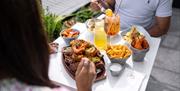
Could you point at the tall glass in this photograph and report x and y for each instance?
(100, 36)
(112, 26)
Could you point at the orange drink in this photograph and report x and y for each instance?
(112, 24)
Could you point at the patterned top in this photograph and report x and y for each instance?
(15, 85)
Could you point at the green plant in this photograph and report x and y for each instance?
(53, 25)
(84, 14)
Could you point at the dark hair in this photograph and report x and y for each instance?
(24, 51)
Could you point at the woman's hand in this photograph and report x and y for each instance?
(85, 75)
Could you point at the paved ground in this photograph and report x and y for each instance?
(63, 7)
(165, 75)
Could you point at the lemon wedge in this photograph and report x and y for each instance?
(109, 12)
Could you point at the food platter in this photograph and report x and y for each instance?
(71, 57)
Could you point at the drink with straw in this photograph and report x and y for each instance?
(112, 23)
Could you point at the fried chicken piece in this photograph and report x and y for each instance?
(77, 57)
(140, 43)
(145, 44)
(92, 51)
(78, 46)
(137, 43)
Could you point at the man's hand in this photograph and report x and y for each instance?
(85, 75)
(95, 6)
(106, 4)
(160, 27)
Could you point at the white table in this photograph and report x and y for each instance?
(146, 67)
(55, 71)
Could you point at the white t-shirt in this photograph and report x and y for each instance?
(141, 12)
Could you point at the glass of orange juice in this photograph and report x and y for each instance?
(100, 36)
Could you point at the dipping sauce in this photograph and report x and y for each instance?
(115, 69)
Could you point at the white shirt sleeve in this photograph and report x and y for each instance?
(164, 8)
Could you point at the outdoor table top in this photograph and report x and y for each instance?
(142, 67)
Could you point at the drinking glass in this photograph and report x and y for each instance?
(100, 36)
(112, 26)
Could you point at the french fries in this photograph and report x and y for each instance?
(118, 51)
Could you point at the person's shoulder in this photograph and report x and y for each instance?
(164, 2)
(158, 3)
(164, 8)
(15, 85)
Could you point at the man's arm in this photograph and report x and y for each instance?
(163, 17)
(160, 27)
